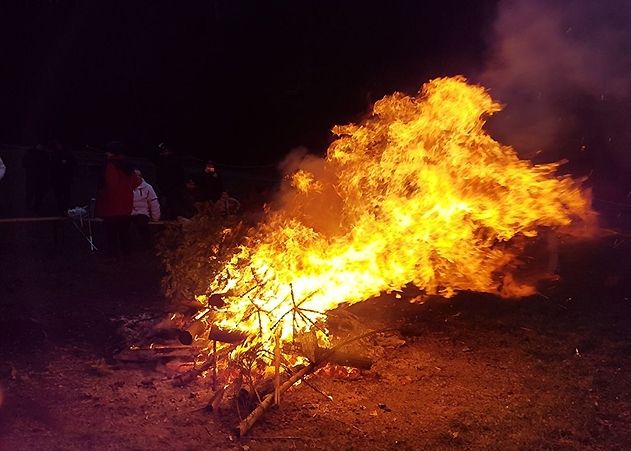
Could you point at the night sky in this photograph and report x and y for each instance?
(239, 81)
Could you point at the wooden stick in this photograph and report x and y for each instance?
(192, 374)
(247, 423)
(277, 367)
(215, 366)
(215, 401)
(325, 356)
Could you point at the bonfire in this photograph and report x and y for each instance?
(418, 194)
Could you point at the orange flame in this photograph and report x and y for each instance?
(418, 193)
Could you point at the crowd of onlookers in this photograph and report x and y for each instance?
(124, 199)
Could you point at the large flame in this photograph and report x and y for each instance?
(417, 194)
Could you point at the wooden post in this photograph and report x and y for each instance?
(277, 365)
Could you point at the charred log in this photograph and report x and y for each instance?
(251, 395)
(153, 355)
(194, 373)
(342, 357)
(215, 400)
(226, 336)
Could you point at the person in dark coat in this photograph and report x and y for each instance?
(62, 167)
(114, 200)
(210, 183)
(169, 181)
(189, 196)
(36, 170)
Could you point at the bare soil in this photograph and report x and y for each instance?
(474, 372)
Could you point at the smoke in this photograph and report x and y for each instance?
(319, 207)
(563, 70)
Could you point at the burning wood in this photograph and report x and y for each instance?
(246, 424)
(253, 394)
(343, 358)
(213, 404)
(335, 355)
(419, 194)
(191, 375)
(226, 336)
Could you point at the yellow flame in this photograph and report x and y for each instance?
(305, 181)
(418, 193)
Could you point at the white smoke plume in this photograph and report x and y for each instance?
(555, 62)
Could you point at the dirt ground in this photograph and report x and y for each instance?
(474, 372)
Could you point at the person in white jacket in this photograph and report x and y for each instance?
(3, 169)
(145, 207)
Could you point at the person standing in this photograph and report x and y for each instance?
(210, 183)
(3, 169)
(145, 207)
(36, 169)
(226, 205)
(190, 196)
(114, 200)
(170, 180)
(62, 167)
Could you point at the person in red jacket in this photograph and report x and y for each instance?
(114, 200)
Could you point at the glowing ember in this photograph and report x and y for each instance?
(418, 193)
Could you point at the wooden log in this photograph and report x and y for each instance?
(249, 395)
(147, 355)
(342, 357)
(226, 336)
(216, 300)
(333, 355)
(249, 421)
(166, 348)
(192, 374)
(169, 333)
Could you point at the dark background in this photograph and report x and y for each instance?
(245, 82)
(239, 81)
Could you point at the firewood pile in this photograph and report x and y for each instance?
(276, 341)
(237, 382)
